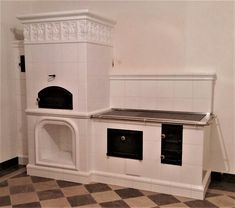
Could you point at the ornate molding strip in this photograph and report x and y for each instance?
(75, 26)
(68, 31)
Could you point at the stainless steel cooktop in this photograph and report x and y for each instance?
(156, 116)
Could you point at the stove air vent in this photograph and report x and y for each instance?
(55, 97)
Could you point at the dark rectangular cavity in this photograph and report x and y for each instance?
(125, 143)
(171, 145)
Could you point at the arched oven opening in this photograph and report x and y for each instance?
(55, 97)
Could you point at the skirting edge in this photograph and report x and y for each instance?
(181, 189)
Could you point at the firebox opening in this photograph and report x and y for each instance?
(55, 97)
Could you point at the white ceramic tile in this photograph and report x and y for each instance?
(152, 133)
(116, 165)
(149, 88)
(182, 104)
(191, 174)
(117, 102)
(192, 154)
(164, 104)
(148, 103)
(170, 172)
(69, 53)
(117, 88)
(81, 52)
(151, 150)
(202, 89)
(132, 102)
(193, 136)
(183, 89)
(134, 167)
(132, 88)
(151, 168)
(165, 89)
(202, 105)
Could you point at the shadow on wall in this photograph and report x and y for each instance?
(218, 157)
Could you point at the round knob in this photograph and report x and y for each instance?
(163, 157)
(123, 138)
(163, 136)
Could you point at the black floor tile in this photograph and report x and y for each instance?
(97, 187)
(114, 204)
(63, 184)
(128, 193)
(163, 199)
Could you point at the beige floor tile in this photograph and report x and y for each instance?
(146, 193)
(4, 191)
(105, 196)
(183, 199)
(19, 181)
(174, 205)
(90, 206)
(24, 198)
(74, 190)
(47, 185)
(140, 202)
(222, 201)
(61, 202)
(115, 187)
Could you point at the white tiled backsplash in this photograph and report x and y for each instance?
(192, 93)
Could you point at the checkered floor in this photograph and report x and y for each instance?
(22, 190)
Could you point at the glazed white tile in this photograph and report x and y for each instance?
(69, 52)
(202, 105)
(132, 88)
(170, 172)
(117, 88)
(134, 167)
(117, 102)
(147, 103)
(192, 154)
(165, 89)
(151, 150)
(149, 88)
(81, 52)
(132, 102)
(152, 133)
(182, 104)
(202, 89)
(191, 174)
(193, 136)
(164, 104)
(116, 165)
(183, 89)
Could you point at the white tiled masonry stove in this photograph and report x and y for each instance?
(68, 61)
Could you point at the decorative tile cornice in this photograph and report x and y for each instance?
(79, 27)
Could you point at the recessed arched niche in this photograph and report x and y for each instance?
(56, 140)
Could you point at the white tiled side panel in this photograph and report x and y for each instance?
(173, 95)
